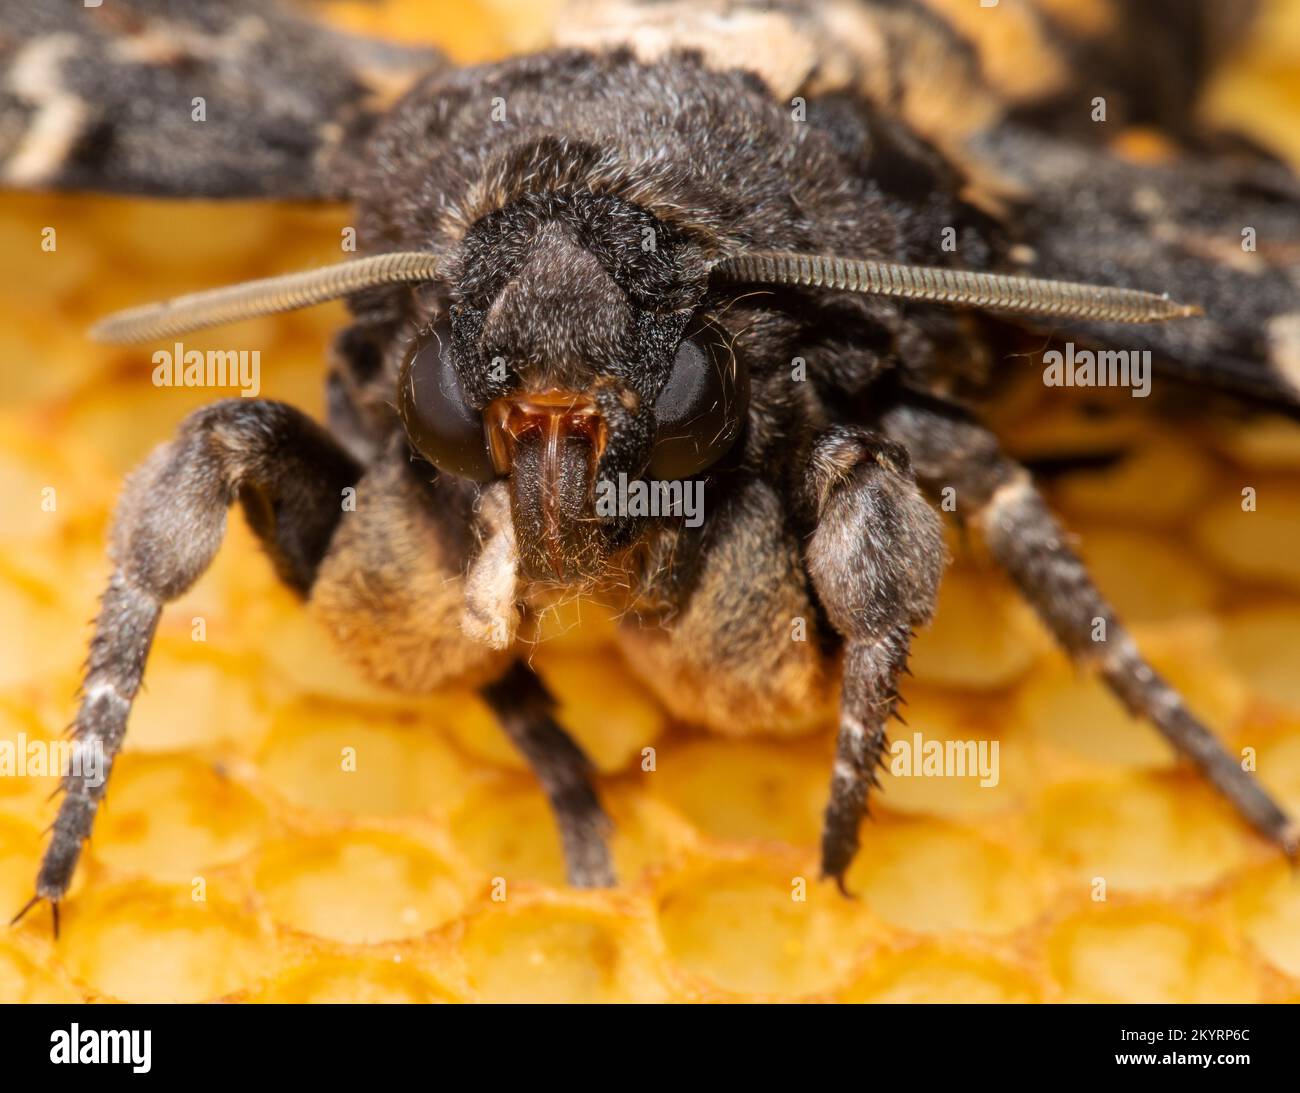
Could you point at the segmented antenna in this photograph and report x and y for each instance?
(266, 297)
(995, 291)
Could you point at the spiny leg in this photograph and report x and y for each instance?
(124, 630)
(875, 561)
(288, 473)
(869, 699)
(997, 496)
(524, 708)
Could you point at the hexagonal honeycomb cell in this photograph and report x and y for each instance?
(279, 830)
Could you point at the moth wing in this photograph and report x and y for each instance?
(1108, 175)
(188, 98)
(1221, 232)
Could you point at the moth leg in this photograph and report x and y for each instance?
(997, 496)
(524, 707)
(875, 560)
(288, 473)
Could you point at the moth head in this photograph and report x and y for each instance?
(571, 358)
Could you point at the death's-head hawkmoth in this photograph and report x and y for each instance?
(690, 311)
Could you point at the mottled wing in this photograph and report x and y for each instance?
(1220, 232)
(186, 98)
(1148, 196)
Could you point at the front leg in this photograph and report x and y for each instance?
(288, 473)
(875, 562)
(524, 708)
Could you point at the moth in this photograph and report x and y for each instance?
(779, 252)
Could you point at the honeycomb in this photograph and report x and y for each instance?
(239, 858)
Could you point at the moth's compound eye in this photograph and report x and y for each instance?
(700, 410)
(440, 422)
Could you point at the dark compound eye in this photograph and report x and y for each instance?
(440, 422)
(700, 410)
